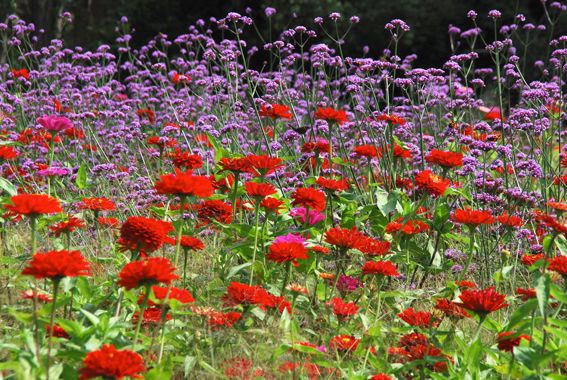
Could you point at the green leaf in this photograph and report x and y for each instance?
(462, 192)
(348, 220)
(519, 314)
(189, 364)
(236, 269)
(561, 243)
(387, 202)
(84, 287)
(8, 187)
(556, 332)
(282, 349)
(558, 293)
(81, 180)
(339, 161)
(22, 317)
(91, 317)
(441, 215)
(163, 371)
(306, 349)
(543, 290)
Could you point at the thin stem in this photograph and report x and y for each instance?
(180, 231)
(477, 332)
(142, 309)
(286, 278)
(471, 251)
(257, 218)
(51, 326)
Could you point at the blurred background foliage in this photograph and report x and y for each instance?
(95, 22)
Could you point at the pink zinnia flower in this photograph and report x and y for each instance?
(314, 215)
(54, 124)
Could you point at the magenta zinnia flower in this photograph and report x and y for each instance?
(54, 124)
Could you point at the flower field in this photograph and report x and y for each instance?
(175, 212)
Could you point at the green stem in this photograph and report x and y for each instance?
(477, 332)
(180, 231)
(164, 315)
(142, 309)
(55, 282)
(471, 251)
(257, 218)
(234, 193)
(32, 226)
(337, 273)
(185, 254)
(286, 278)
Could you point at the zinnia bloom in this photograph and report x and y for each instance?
(450, 309)
(280, 252)
(343, 309)
(559, 265)
(510, 222)
(242, 294)
(186, 160)
(380, 376)
(344, 343)
(259, 191)
(446, 160)
(235, 165)
(97, 204)
(507, 343)
(111, 222)
(345, 239)
(331, 185)
(33, 205)
(190, 243)
(21, 73)
(373, 247)
(7, 153)
(384, 268)
(482, 301)
(184, 184)
(472, 218)
(550, 221)
(57, 264)
(331, 115)
(313, 218)
(276, 110)
(220, 320)
(54, 124)
(394, 119)
(264, 165)
(208, 210)
(111, 363)
(526, 294)
(152, 316)
(367, 151)
(153, 271)
(58, 332)
(308, 197)
(431, 183)
(31, 294)
(181, 295)
(143, 233)
(68, 225)
(420, 319)
(272, 204)
(530, 260)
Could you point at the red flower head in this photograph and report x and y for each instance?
(491, 113)
(530, 260)
(149, 114)
(411, 227)
(186, 160)
(559, 265)
(264, 165)
(526, 294)
(383, 268)
(58, 332)
(153, 271)
(376, 248)
(506, 341)
(308, 197)
(380, 376)
(57, 264)
(346, 239)
(420, 351)
(319, 250)
(276, 110)
(111, 222)
(557, 206)
(181, 295)
(472, 218)
(21, 73)
(162, 142)
(466, 285)
(343, 309)
(550, 221)
(279, 303)
(219, 320)
(431, 183)
(331, 185)
(97, 204)
(207, 211)
(67, 226)
(344, 343)
(259, 191)
(190, 243)
(143, 233)
(450, 309)
(394, 119)
(272, 204)
(367, 151)
(331, 115)
(280, 252)
(180, 78)
(184, 184)
(510, 222)
(420, 319)
(413, 339)
(111, 363)
(482, 301)
(33, 293)
(152, 316)
(242, 294)
(446, 160)
(33, 205)
(7, 153)
(235, 165)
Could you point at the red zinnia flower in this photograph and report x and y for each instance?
(186, 160)
(220, 320)
(264, 165)
(180, 78)
(149, 114)
(466, 285)
(526, 294)
(7, 153)
(188, 242)
(184, 184)
(33, 205)
(111, 363)
(380, 376)
(20, 73)
(235, 165)
(143, 233)
(272, 204)
(482, 301)
(152, 271)
(420, 351)
(445, 159)
(450, 309)
(208, 210)
(421, 318)
(559, 265)
(58, 332)
(550, 221)
(57, 264)
(68, 225)
(530, 260)
(558, 206)
(308, 197)
(111, 222)
(367, 151)
(511, 222)
(280, 303)
(344, 342)
(162, 142)
(277, 110)
(411, 228)
(345, 238)
(320, 250)
(343, 309)
(374, 247)
(280, 252)
(331, 115)
(259, 191)
(472, 218)
(97, 204)
(507, 344)
(32, 294)
(152, 316)
(181, 295)
(394, 119)
(242, 294)
(431, 183)
(384, 268)
(331, 184)
(491, 113)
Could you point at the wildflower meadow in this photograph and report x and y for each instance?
(173, 212)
